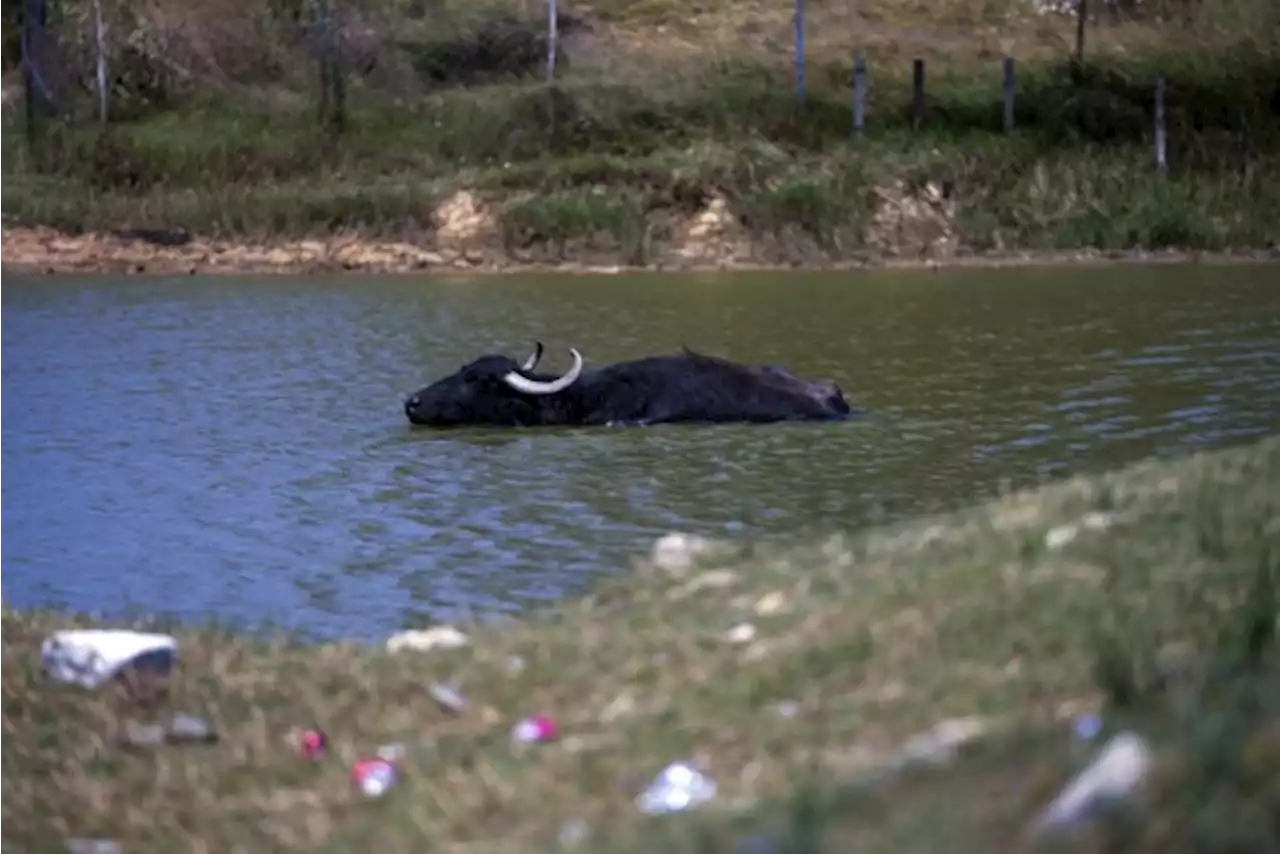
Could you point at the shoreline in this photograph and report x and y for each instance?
(798, 679)
(48, 252)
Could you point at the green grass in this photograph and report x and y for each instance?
(1162, 617)
(1003, 194)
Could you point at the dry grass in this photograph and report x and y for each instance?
(261, 51)
(957, 33)
(872, 638)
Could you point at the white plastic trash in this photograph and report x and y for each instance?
(90, 657)
(1121, 767)
(677, 788)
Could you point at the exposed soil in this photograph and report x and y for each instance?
(465, 235)
(44, 251)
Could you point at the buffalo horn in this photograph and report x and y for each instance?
(534, 358)
(528, 386)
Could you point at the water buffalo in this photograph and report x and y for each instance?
(495, 390)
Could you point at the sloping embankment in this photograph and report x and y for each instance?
(1149, 595)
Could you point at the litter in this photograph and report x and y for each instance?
(180, 729)
(536, 728)
(677, 788)
(1122, 765)
(93, 846)
(447, 696)
(374, 776)
(90, 657)
(313, 743)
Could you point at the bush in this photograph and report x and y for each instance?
(492, 45)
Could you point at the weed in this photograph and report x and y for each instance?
(585, 214)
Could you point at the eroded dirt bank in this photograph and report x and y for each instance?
(465, 235)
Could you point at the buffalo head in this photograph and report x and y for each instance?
(492, 390)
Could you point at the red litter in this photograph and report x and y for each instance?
(313, 743)
(536, 728)
(374, 776)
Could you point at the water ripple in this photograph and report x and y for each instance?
(236, 447)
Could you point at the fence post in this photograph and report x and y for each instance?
(1008, 94)
(321, 12)
(100, 39)
(1082, 15)
(35, 96)
(332, 90)
(553, 38)
(1161, 164)
(322, 55)
(338, 118)
(799, 48)
(917, 93)
(859, 93)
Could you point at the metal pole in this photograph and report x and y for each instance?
(799, 22)
(100, 37)
(1161, 136)
(917, 93)
(859, 93)
(1009, 94)
(553, 36)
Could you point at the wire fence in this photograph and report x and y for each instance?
(99, 48)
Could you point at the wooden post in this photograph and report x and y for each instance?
(799, 48)
(859, 93)
(1008, 94)
(333, 100)
(553, 39)
(1161, 137)
(35, 96)
(321, 12)
(338, 113)
(917, 93)
(553, 51)
(1082, 15)
(338, 118)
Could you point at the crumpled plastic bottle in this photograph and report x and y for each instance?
(677, 788)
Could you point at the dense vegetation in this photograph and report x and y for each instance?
(657, 108)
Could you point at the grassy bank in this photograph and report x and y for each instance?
(660, 110)
(1150, 595)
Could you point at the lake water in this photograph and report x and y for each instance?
(236, 448)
